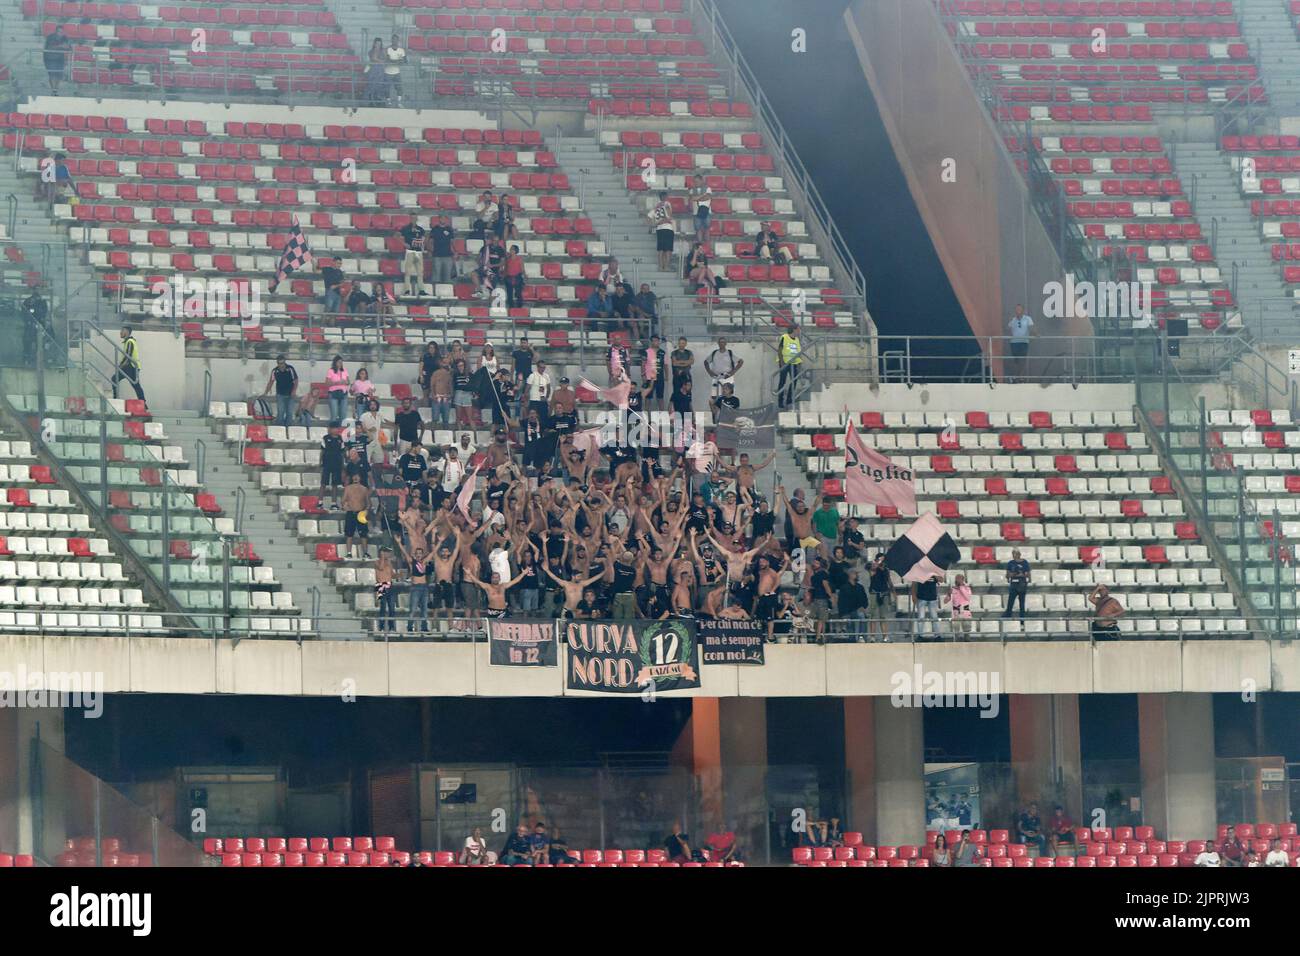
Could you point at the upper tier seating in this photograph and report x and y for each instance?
(1079, 494)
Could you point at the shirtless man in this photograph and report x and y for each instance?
(800, 521)
(412, 520)
(573, 589)
(744, 474)
(496, 594)
(444, 572)
(683, 602)
(737, 561)
(769, 581)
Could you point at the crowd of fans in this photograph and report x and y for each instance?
(643, 516)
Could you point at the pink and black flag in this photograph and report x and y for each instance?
(296, 255)
(467, 493)
(923, 551)
(616, 395)
(872, 479)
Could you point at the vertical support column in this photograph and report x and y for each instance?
(860, 765)
(699, 751)
(1176, 744)
(743, 740)
(25, 817)
(1045, 754)
(724, 743)
(899, 760)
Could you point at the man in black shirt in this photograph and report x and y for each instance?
(882, 596)
(518, 849)
(412, 465)
(727, 399)
(284, 379)
(819, 597)
(683, 401)
(851, 603)
(358, 463)
(925, 600)
(442, 236)
(413, 261)
(333, 278)
(538, 446)
(409, 426)
(854, 541)
(764, 520)
(331, 465)
(523, 356)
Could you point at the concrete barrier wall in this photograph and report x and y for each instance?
(353, 668)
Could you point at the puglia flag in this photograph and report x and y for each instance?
(872, 479)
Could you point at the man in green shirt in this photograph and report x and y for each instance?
(826, 522)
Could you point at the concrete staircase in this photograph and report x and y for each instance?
(1266, 25)
(1267, 308)
(21, 46)
(295, 567)
(621, 222)
(34, 232)
(361, 21)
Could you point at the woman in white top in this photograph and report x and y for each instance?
(488, 360)
(476, 852)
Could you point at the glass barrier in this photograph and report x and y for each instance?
(630, 807)
(79, 820)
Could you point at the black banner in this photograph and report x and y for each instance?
(522, 643)
(747, 429)
(731, 641)
(631, 657)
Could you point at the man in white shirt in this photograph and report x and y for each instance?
(703, 458)
(467, 448)
(453, 470)
(1208, 857)
(665, 230)
(371, 423)
(539, 387)
(722, 366)
(611, 277)
(1019, 326)
(394, 56)
(1277, 856)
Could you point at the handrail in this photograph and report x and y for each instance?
(207, 391)
(241, 502)
(200, 458)
(12, 221)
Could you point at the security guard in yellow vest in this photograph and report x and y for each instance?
(129, 363)
(789, 356)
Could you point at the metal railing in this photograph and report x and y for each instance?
(1257, 550)
(796, 176)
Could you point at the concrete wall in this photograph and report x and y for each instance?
(327, 668)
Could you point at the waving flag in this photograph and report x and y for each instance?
(296, 255)
(616, 395)
(587, 440)
(872, 479)
(923, 551)
(467, 493)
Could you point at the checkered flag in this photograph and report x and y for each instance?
(296, 255)
(923, 551)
